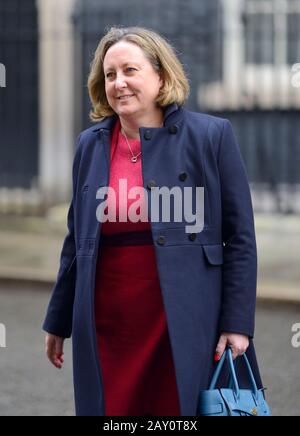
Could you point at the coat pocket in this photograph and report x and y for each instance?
(214, 254)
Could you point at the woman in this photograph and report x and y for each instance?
(150, 307)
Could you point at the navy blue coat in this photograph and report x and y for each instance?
(208, 280)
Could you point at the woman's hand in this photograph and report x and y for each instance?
(54, 349)
(238, 344)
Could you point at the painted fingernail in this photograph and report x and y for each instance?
(217, 357)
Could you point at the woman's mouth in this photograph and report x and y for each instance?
(125, 97)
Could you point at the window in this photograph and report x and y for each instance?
(261, 43)
(293, 42)
(271, 31)
(259, 33)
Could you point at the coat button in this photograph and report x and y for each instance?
(183, 177)
(151, 184)
(161, 240)
(192, 237)
(148, 135)
(173, 129)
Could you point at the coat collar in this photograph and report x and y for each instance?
(172, 114)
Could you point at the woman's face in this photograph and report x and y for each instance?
(129, 73)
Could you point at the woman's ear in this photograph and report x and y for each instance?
(161, 80)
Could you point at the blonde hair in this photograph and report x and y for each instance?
(160, 54)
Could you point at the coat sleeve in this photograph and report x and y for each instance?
(240, 253)
(59, 314)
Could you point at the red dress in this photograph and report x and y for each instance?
(132, 335)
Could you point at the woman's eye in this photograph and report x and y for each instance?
(129, 69)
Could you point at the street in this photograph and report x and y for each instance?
(30, 386)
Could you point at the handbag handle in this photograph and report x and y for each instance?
(228, 355)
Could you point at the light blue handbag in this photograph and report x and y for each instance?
(232, 401)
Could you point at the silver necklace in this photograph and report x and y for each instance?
(133, 157)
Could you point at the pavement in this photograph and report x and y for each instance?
(30, 250)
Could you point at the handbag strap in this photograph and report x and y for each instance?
(217, 372)
(227, 355)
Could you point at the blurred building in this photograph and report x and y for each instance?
(239, 56)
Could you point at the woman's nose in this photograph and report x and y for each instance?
(120, 82)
